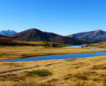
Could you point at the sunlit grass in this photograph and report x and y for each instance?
(101, 45)
(12, 52)
(71, 72)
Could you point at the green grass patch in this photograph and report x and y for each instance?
(42, 73)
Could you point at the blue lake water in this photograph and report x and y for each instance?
(91, 47)
(65, 56)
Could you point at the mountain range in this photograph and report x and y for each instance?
(7, 32)
(92, 36)
(37, 35)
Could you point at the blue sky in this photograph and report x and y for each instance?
(59, 16)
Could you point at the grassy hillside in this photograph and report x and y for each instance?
(101, 45)
(12, 42)
(65, 72)
(38, 35)
(12, 52)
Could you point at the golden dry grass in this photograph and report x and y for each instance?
(65, 72)
(12, 52)
(101, 45)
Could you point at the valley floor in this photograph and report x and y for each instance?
(101, 44)
(13, 52)
(64, 72)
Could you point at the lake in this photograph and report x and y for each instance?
(91, 47)
(65, 56)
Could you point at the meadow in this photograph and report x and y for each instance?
(101, 44)
(13, 52)
(64, 72)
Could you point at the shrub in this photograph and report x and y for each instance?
(104, 82)
(41, 73)
(72, 59)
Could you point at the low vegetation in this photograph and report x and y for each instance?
(13, 42)
(65, 72)
(101, 45)
(13, 52)
(42, 73)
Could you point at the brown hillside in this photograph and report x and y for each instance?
(37, 35)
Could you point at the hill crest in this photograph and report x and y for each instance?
(37, 35)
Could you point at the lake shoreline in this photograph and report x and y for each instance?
(62, 56)
(9, 52)
(91, 70)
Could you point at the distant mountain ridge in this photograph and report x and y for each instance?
(7, 32)
(4, 36)
(92, 36)
(37, 35)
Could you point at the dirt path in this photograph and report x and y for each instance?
(26, 68)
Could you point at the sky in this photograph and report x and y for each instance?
(63, 17)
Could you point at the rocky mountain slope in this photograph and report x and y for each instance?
(7, 32)
(92, 36)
